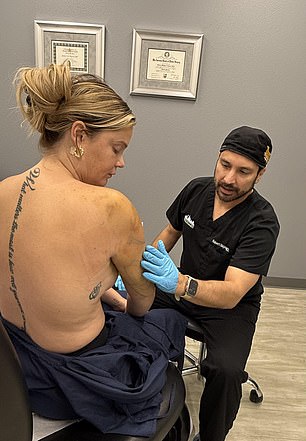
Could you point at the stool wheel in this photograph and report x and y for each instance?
(254, 397)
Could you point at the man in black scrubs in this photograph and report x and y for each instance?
(229, 236)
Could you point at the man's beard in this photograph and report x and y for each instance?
(235, 195)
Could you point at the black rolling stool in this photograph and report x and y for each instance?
(196, 333)
(16, 420)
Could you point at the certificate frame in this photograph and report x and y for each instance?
(165, 64)
(82, 43)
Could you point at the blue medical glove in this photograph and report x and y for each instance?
(160, 269)
(119, 284)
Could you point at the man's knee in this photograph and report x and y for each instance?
(223, 370)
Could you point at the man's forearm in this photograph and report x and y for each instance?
(169, 236)
(210, 293)
(224, 294)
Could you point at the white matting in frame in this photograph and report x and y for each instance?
(165, 64)
(82, 44)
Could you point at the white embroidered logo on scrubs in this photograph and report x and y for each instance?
(188, 221)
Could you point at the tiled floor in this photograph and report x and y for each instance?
(278, 363)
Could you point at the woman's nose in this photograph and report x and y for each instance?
(120, 163)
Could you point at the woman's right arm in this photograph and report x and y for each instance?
(127, 256)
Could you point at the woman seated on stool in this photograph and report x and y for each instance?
(64, 238)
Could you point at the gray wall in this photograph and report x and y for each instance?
(253, 72)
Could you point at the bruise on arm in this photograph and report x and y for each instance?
(129, 248)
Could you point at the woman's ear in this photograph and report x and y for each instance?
(76, 132)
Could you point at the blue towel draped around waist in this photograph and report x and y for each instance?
(117, 387)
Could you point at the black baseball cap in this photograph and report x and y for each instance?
(253, 143)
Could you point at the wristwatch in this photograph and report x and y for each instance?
(191, 287)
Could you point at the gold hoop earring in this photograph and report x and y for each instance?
(76, 151)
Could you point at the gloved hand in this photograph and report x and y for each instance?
(160, 269)
(119, 284)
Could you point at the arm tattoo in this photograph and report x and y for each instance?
(28, 184)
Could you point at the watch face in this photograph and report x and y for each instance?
(192, 288)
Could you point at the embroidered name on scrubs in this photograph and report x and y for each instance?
(224, 247)
(188, 221)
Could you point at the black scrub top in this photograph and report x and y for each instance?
(244, 237)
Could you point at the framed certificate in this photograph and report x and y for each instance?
(80, 43)
(165, 64)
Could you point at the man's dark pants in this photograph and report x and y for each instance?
(228, 336)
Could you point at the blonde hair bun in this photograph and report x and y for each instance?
(54, 99)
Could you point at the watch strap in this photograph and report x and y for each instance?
(178, 297)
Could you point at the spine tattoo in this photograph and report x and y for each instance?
(28, 184)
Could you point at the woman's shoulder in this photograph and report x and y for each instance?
(12, 182)
(103, 194)
(107, 200)
(24, 176)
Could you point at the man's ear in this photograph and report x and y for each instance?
(259, 175)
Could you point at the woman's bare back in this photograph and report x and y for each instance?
(58, 239)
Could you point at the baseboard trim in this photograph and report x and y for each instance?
(284, 282)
